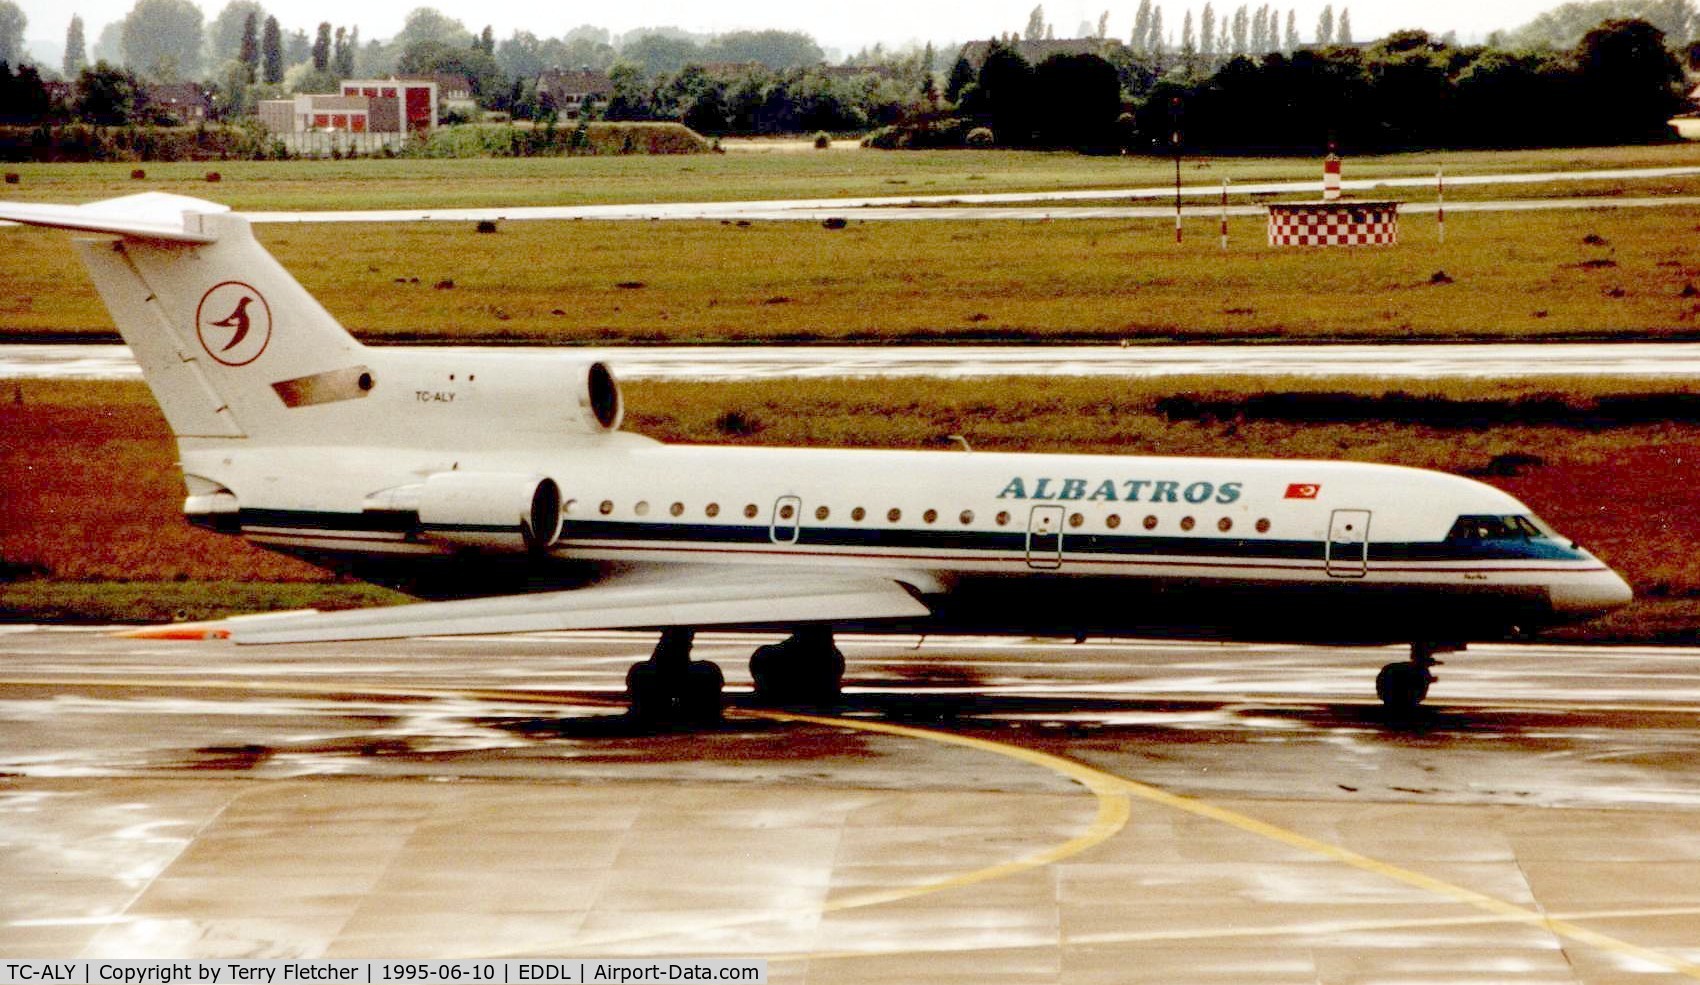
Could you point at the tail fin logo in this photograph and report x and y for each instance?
(234, 323)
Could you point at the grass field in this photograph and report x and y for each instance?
(92, 527)
(416, 184)
(1582, 274)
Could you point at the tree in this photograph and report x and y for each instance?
(1004, 96)
(1082, 97)
(1103, 25)
(76, 54)
(1207, 31)
(1141, 27)
(1325, 25)
(487, 42)
(1241, 23)
(1343, 30)
(12, 24)
(249, 55)
(1291, 40)
(1189, 42)
(23, 98)
(430, 24)
(775, 49)
(1631, 83)
(631, 97)
(1564, 25)
(657, 54)
(109, 45)
(106, 95)
(343, 63)
(1256, 43)
(961, 77)
(1158, 44)
(521, 56)
(1035, 24)
(224, 34)
(434, 57)
(271, 51)
(322, 48)
(162, 39)
(297, 48)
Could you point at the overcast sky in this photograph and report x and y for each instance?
(845, 26)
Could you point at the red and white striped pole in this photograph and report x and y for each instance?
(1331, 177)
(1224, 213)
(1440, 192)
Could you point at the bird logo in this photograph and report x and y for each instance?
(234, 323)
(238, 320)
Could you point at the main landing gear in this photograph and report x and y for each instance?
(670, 687)
(1403, 686)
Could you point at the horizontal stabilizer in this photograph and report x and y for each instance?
(652, 600)
(150, 215)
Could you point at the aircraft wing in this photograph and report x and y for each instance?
(646, 600)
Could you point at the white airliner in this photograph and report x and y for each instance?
(429, 469)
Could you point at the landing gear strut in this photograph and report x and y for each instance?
(1403, 686)
(805, 669)
(670, 687)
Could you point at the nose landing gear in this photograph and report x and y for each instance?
(1403, 686)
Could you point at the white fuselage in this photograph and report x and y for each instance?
(1325, 549)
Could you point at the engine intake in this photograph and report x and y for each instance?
(494, 511)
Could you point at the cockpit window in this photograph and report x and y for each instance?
(1516, 527)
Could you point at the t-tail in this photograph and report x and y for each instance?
(226, 339)
(236, 350)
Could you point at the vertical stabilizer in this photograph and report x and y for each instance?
(228, 341)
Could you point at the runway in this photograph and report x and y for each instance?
(730, 363)
(978, 810)
(972, 206)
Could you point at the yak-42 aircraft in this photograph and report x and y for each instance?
(420, 467)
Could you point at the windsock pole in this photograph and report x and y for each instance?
(1224, 213)
(1440, 192)
(1177, 186)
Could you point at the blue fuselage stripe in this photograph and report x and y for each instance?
(995, 542)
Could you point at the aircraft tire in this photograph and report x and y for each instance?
(786, 674)
(1402, 686)
(700, 700)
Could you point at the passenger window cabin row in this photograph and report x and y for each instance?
(859, 514)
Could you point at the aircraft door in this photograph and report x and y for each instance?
(1348, 544)
(1044, 537)
(787, 513)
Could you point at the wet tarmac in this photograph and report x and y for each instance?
(977, 810)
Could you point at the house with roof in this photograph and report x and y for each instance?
(571, 92)
(184, 102)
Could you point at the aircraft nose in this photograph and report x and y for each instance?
(1597, 593)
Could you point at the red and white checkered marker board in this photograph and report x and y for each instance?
(1334, 224)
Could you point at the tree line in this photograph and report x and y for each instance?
(1240, 78)
(1620, 83)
